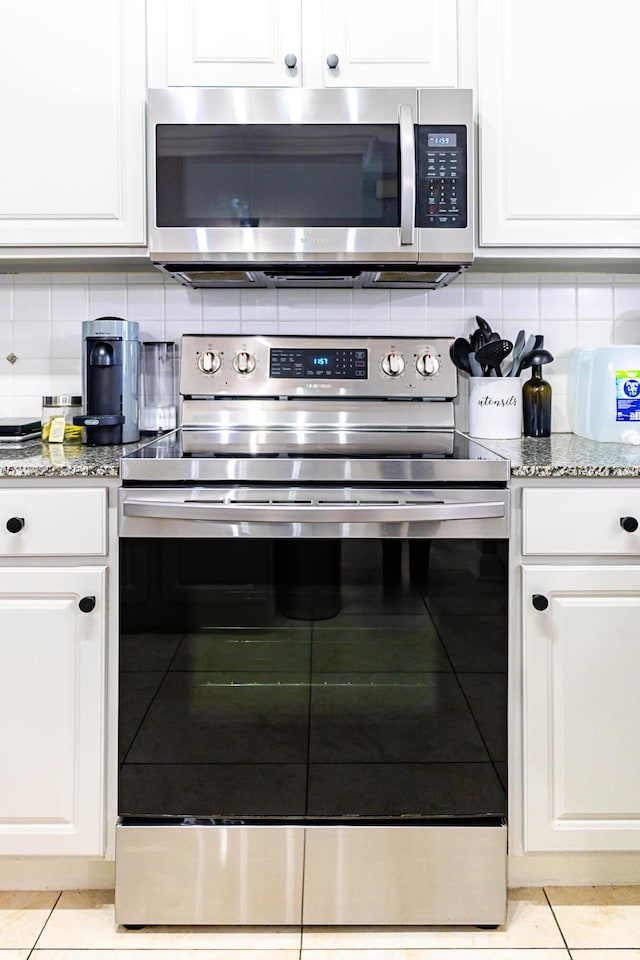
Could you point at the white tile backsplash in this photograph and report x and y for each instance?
(41, 316)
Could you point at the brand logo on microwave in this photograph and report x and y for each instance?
(313, 240)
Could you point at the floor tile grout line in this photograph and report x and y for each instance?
(564, 939)
(55, 904)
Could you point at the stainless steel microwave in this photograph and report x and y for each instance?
(354, 187)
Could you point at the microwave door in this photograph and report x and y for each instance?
(265, 177)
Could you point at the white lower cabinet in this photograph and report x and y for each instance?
(52, 652)
(581, 723)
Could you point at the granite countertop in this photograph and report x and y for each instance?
(566, 455)
(32, 458)
(562, 455)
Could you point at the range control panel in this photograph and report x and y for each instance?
(252, 366)
(442, 176)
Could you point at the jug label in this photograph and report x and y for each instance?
(627, 394)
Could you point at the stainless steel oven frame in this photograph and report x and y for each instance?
(279, 873)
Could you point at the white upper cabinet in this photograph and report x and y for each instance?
(558, 101)
(311, 43)
(73, 74)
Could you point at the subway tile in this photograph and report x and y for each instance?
(66, 376)
(594, 333)
(220, 305)
(6, 338)
(370, 328)
(31, 302)
(145, 302)
(182, 303)
(66, 339)
(174, 329)
(107, 299)
(446, 304)
(69, 302)
(371, 305)
(32, 339)
(151, 330)
(595, 301)
(485, 300)
(559, 337)
(558, 302)
(520, 301)
(296, 328)
(333, 303)
(258, 306)
(407, 305)
(296, 305)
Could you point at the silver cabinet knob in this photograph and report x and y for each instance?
(290, 60)
(333, 60)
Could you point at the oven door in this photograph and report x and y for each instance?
(321, 711)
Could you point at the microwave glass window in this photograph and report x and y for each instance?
(265, 175)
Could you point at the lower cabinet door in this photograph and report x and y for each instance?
(581, 707)
(52, 640)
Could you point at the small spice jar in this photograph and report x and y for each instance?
(62, 410)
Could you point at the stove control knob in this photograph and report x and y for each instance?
(393, 364)
(427, 365)
(209, 361)
(244, 362)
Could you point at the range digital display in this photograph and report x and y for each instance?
(309, 364)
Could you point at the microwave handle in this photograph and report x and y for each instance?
(407, 175)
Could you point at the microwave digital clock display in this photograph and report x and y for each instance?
(308, 364)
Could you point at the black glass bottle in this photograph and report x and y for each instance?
(536, 404)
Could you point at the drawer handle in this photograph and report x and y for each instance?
(539, 601)
(87, 604)
(15, 524)
(630, 524)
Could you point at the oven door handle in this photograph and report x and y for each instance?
(238, 512)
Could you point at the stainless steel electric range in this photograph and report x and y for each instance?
(313, 644)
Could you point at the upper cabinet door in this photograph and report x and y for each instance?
(311, 43)
(246, 43)
(410, 43)
(72, 111)
(558, 98)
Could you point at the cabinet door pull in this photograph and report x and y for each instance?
(290, 61)
(333, 60)
(539, 601)
(630, 524)
(87, 604)
(15, 524)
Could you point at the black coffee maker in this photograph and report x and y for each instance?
(110, 375)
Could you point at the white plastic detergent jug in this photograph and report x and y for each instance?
(604, 393)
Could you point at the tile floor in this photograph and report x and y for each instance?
(555, 923)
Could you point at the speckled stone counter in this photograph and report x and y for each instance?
(563, 455)
(36, 459)
(566, 455)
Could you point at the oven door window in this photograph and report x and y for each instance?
(262, 175)
(312, 679)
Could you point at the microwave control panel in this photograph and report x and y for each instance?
(442, 176)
